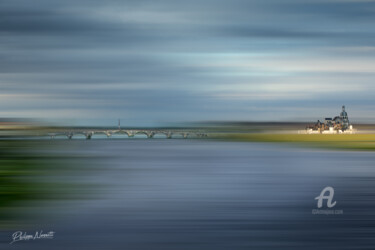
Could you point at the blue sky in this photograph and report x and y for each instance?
(89, 62)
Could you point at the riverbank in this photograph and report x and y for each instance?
(364, 142)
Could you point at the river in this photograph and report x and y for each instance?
(201, 194)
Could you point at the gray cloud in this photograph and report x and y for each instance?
(155, 61)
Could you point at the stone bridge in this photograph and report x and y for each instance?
(130, 133)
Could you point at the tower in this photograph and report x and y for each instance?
(344, 118)
(119, 124)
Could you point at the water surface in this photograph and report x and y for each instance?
(201, 194)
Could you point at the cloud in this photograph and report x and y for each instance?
(172, 60)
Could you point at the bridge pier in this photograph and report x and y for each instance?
(88, 136)
(169, 135)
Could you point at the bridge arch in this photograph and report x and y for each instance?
(122, 132)
(77, 134)
(107, 134)
(166, 134)
(58, 135)
(182, 134)
(149, 134)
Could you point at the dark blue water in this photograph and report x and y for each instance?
(194, 194)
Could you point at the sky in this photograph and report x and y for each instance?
(150, 63)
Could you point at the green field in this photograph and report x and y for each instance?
(333, 141)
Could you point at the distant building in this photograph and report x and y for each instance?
(338, 124)
(341, 120)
